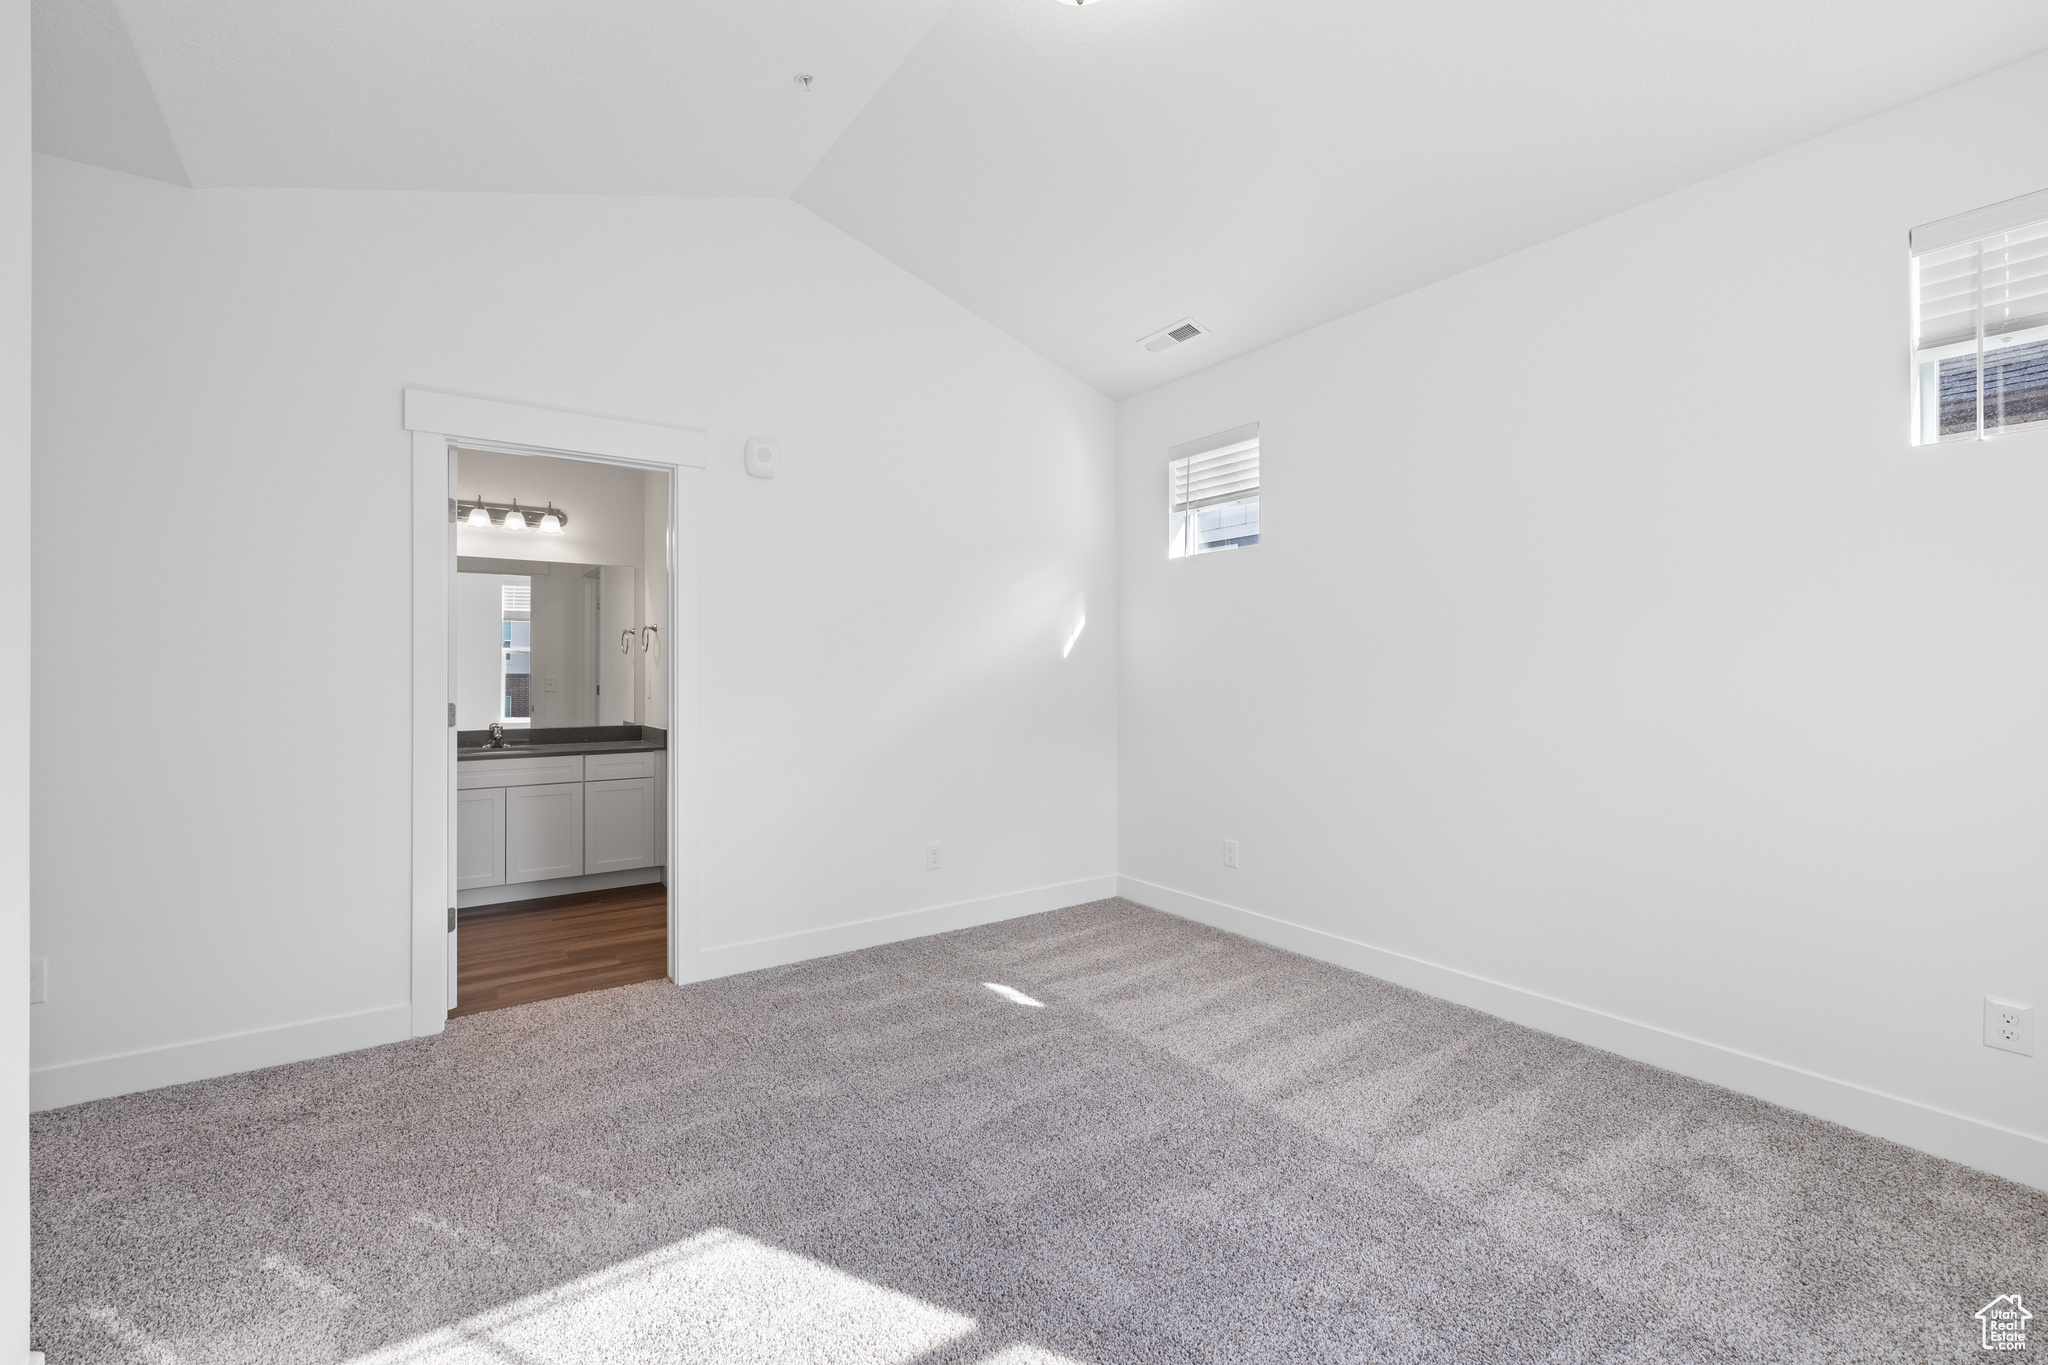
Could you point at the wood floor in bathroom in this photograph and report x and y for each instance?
(541, 949)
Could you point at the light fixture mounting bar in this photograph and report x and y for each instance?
(460, 508)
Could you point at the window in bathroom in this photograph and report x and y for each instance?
(516, 706)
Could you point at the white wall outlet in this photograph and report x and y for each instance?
(1230, 853)
(762, 455)
(38, 980)
(550, 682)
(932, 860)
(2009, 1026)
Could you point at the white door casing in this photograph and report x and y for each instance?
(444, 572)
(439, 423)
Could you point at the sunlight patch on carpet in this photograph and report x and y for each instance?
(720, 1297)
(1013, 995)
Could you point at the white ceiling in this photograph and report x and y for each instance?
(691, 97)
(1080, 176)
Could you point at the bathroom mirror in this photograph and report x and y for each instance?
(544, 645)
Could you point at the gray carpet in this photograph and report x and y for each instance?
(1192, 1148)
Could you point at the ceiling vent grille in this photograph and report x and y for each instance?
(1166, 338)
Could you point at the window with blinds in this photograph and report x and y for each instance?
(1980, 321)
(1212, 493)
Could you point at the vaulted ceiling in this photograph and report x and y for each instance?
(1079, 176)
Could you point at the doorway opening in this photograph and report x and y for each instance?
(560, 598)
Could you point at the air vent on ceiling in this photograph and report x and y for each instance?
(1165, 339)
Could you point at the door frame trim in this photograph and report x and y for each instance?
(439, 422)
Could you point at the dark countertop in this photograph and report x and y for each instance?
(583, 739)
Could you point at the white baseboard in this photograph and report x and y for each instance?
(52, 1087)
(782, 949)
(1939, 1132)
(559, 886)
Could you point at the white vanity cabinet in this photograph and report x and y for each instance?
(623, 804)
(618, 824)
(543, 832)
(533, 819)
(538, 817)
(479, 838)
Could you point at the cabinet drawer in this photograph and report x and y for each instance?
(518, 772)
(609, 767)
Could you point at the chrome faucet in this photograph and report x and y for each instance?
(497, 737)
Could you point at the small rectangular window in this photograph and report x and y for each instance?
(1980, 322)
(516, 620)
(1212, 493)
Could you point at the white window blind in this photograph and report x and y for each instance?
(1980, 315)
(1999, 281)
(1212, 493)
(1224, 474)
(516, 598)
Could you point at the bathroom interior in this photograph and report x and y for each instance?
(559, 606)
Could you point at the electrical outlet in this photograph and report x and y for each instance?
(38, 980)
(932, 861)
(2008, 1026)
(1230, 853)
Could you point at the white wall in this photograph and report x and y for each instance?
(880, 639)
(1608, 642)
(14, 682)
(603, 501)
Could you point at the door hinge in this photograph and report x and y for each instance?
(451, 715)
(451, 919)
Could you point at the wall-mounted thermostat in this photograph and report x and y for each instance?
(761, 455)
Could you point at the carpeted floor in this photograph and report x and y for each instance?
(1190, 1148)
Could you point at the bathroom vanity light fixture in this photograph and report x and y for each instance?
(510, 516)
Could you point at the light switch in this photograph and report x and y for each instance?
(551, 683)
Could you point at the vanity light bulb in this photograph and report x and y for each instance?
(479, 515)
(515, 520)
(550, 524)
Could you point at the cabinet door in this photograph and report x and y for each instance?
(618, 824)
(479, 838)
(543, 832)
